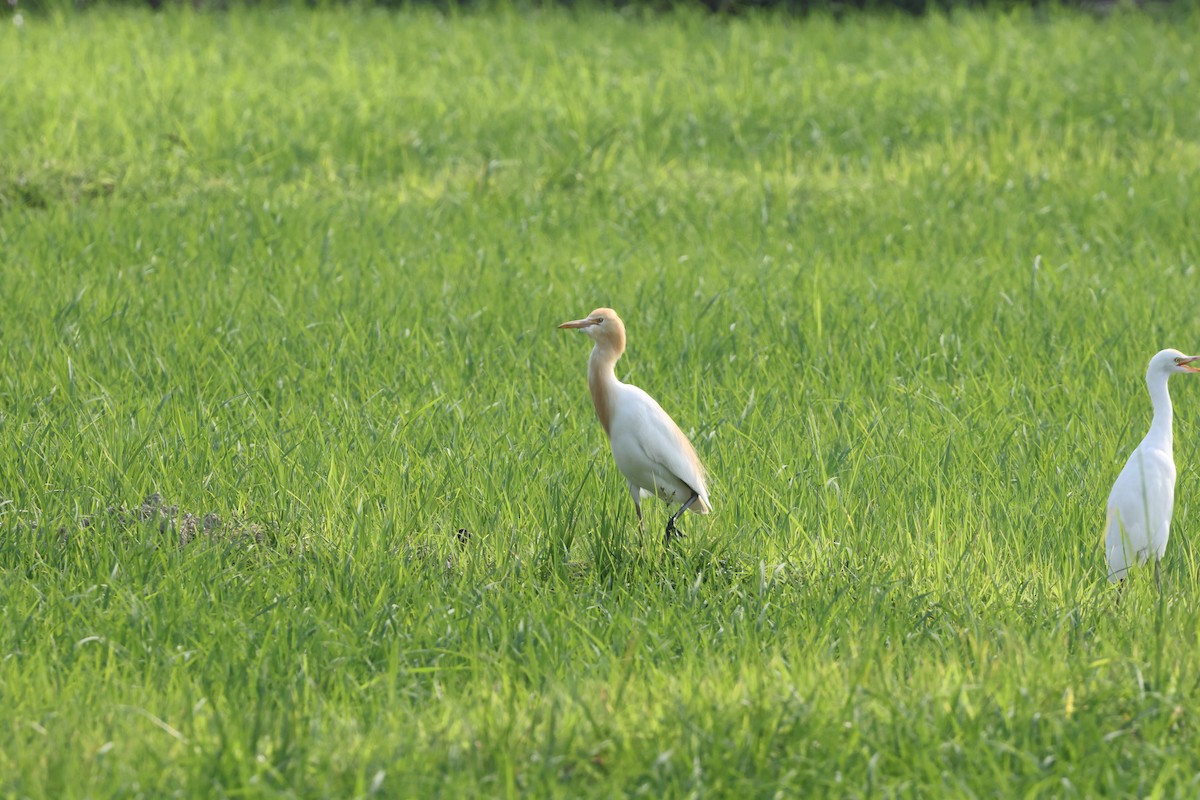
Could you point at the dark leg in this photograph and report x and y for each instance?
(1158, 573)
(671, 529)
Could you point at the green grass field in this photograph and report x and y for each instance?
(898, 278)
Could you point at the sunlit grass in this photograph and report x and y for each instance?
(898, 278)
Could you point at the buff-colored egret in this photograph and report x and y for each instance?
(1142, 499)
(650, 450)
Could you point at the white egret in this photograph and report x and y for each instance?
(650, 450)
(1142, 499)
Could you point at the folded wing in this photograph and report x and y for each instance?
(665, 448)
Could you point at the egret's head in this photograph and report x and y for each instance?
(1166, 362)
(605, 328)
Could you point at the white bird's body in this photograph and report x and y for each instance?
(649, 448)
(1142, 500)
(1140, 507)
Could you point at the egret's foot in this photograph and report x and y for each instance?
(671, 529)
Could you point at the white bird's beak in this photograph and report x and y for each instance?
(1184, 363)
(584, 323)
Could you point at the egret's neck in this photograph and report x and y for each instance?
(1160, 398)
(602, 380)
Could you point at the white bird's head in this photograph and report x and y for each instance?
(1168, 362)
(604, 327)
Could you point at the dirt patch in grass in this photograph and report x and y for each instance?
(182, 526)
(51, 185)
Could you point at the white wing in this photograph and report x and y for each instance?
(653, 453)
(1139, 510)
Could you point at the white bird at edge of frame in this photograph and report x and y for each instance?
(650, 450)
(1143, 497)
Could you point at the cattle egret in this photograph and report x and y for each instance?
(1141, 501)
(650, 450)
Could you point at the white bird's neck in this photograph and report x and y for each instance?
(1160, 399)
(602, 380)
